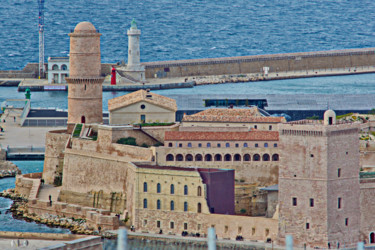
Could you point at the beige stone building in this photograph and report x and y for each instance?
(250, 118)
(254, 155)
(319, 192)
(142, 107)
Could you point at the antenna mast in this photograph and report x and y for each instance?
(41, 38)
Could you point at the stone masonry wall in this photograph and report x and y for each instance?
(227, 226)
(55, 145)
(367, 204)
(94, 217)
(255, 64)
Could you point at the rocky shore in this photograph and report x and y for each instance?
(8, 169)
(75, 225)
(220, 79)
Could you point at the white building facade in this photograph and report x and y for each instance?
(58, 70)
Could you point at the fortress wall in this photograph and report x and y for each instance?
(54, 156)
(97, 180)
(254, 64)
(94, 218)
(226, 226)
(113, 149)
(367, 204)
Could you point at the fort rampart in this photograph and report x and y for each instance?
(254, 64)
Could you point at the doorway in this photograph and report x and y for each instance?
(372, 237)
(83, 119)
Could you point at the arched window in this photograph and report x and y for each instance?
(246, 157)
(198, 157)
(83, 119)
(227, 157)
(158, 188)
(172, 189)
(256, 157)
(199, 207)
(170, 144)
(275, 145)
(186, 190)
(64, 67)
(237, 157)
(172, 205)
(55, 67)
(169, 157)
(145, 203)
(266, 157)
(208, 144)
(275, 157)
(266, 145)
(185, 206)
(158, 205)
(189, 157)
(245, 145)
(218, 145)
(189, 145)
(372, 238)
(179, 157)
(227, 145)
(218, 157)
(199, 191)
(144, 186)
(208, 158)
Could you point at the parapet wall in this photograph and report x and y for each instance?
(94, 217)
(254, 64)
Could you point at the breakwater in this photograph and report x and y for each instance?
(289, 62)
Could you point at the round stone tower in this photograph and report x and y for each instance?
(134, 68)
(84, 81)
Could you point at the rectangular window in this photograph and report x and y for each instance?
(255, 126)
(307, 225)
(256, 145)
(185, 226)
(226, 228)
(239, 230)
(346, 221)
(270, 127)
(339, 202)
(200, 145)
(275, 145)
(218, 145)
(144, 222)
(237, 145)
(294, 201)
(339, 172)
(158, 224)
(172, 225)
(311, 202)
(180, 145)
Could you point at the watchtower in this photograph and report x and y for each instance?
(85, 81)
(319, 182)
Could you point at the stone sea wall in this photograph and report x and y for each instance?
(254, 64)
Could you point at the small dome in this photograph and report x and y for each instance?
(85, 27)
(329, 117)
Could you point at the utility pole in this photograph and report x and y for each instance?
(41, 38)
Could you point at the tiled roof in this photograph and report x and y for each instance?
(232, 115)
(221, 136)
(142, 95)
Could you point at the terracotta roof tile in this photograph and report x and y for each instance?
(221, 136)
(232, 115)
(141, 95)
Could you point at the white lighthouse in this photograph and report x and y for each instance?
(134, 67)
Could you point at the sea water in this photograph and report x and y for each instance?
(7, 223)
(176, 29)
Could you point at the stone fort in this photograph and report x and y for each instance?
(176, 181)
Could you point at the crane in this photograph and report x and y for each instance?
(41, 37)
